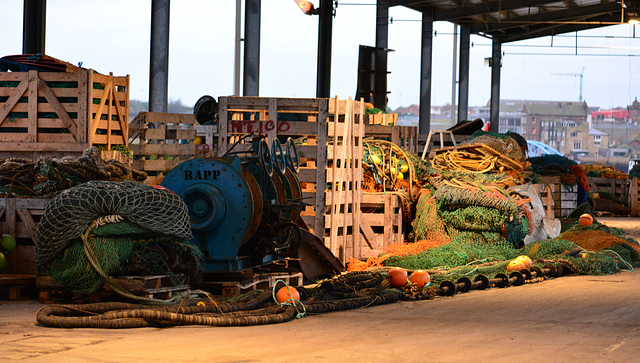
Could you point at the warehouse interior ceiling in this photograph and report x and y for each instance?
(513, 20)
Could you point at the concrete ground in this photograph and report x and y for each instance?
(568, 319)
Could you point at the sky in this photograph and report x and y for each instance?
(113, 36)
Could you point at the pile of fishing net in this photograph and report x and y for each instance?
(511, 145)
(47, 177)
(102, 228)
(349, 291)
(602, 170)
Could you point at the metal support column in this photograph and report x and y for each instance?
(382, 43)
(426, 56)
(463, 76)
(496, 64)
(454, 75)
(159, 62)
(237, 50)
(34, 26)
(251, 80)
(325, 30)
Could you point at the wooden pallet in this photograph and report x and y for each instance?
(17, 287)
(255, 282)
(58, 114)
(157, 287)
(381, 223)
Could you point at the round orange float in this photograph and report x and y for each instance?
(420, 278)
(524, 260)
(585, 220)
(283, 295)
(515, 265)
(397, 276)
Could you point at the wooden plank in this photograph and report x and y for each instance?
(32, 128)
(11, 215)
(6, 107)
(169, 118)
(26, 218)
(83, 106)
(159, 149)
(155, 134)
(60, 111)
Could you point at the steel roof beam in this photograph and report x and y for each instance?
(489, 7)
(556, 29)
(570, 14)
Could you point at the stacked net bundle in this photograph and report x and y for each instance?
(127, 226)
(47, 177)
(388, 168)
(601, 170)
(511, 145)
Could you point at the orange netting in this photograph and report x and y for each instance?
(593, 240)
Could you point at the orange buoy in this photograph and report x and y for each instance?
(420, 278)
(524, 260)
(283, 295)
(515, 265)
(585, 220)
(397, 276)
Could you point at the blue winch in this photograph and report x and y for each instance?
(243, 209)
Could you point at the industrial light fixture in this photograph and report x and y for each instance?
(306, 6)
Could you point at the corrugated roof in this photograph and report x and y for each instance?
(545, 108)
(513, 20)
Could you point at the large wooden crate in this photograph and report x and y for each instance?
(385, 119)
(404, 136)
(562, 198)
(59, 114)
(331, 154)
(160, 141)
(618, 188)
(19, 217)
(380, 223)
(634, 197)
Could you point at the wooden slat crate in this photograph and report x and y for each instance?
(331, 156)
(53, 113)
(160, 141)
(563, 198)
(406, 137)
(385, 119)
(19, 217)
(618, 188)
(634, 197)
(109, 110)
(381, 223)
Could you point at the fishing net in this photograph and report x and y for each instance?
(47, 177)
(601, 170)
(138, 228)
(509, 145)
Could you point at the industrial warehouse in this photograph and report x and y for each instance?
(251, 227)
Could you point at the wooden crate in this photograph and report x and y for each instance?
(160, 141)
(618, 188)
(380, 223)
(634, 197)
(406, 137)
(16, 287)
(563, 199)
(58, 114)
(385, 119)
(331, 155)
(19, 217)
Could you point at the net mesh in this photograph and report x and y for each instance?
(143, 229)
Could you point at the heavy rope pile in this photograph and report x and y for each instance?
(349, 291)
(100, 228)
(602, 170)
(511, 145)
(46, 178)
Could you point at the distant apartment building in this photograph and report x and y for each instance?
(633, 112)
(544, 121)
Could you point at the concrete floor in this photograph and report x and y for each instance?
(568, 319)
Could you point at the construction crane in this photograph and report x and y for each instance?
(574, 75)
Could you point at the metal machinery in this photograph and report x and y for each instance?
(243, 209)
